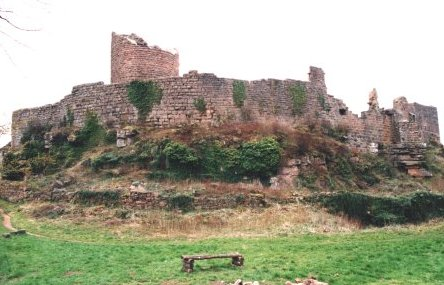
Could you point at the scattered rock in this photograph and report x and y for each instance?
(15, 233)
(308, 281)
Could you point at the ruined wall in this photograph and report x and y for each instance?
(132, 59)
(427, 118)
(265, 100)
(109, 102)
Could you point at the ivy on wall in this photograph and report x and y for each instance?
(324, 104)
(299, 97)
(143, 95)
(200, 104)
(238, 93)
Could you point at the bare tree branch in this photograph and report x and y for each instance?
(4, 130)
(12, 38)
(15, 26)
(7, 54)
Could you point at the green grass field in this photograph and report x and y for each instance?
(383, 256)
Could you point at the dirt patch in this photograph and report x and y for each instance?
(6, 221)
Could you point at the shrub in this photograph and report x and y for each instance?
(260, 159)
(180, 157)
(180, 201)
(106, 160)
(220, 163)
(342, 167)
(42, 164)
(59, 138)
(143, 95)
(381, 211)
(87, 197)
(200, 104)
(12, 170)
(35, 131)
(308, 180)
(238, 93)
(13, 174)
(110, 137)
(32, 149)
(92, 133)
(299, 98)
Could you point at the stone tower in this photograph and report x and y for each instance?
(132, 59)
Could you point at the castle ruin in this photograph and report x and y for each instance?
(133, 59)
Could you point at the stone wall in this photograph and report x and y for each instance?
(266, 99)
(109, 102)
(132, 59)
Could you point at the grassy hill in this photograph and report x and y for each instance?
(296, 201)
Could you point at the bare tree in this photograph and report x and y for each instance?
(5, 18)
(9, 21)
(3, 130)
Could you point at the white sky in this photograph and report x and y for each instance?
(395, 46)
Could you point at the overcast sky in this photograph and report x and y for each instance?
(396, 47)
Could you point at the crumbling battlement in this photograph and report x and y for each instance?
(132, 59)
(265, 99)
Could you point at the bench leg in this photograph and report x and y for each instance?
(188, 265)
(237, 261)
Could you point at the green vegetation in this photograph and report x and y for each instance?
(412, 256)
(254, 159)
(239, 93)
(143, 95)
(323, 103)
(108, 198)
(34, 158)
(200, 104)
(68, 119)
(106, 160)
(260, 158)
(180, 201)
(180, 157)
(299, 98)
(220, 163)
(382, 211)
(12, 168)
(92, 133)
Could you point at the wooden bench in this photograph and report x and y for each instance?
(188, 260)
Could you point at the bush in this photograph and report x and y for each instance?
(110, 137)
(108, 198)
(260, 159)
(12, 170)
(42, 164)
(106, 160)
(35, 131)
(181, 202)
(92, 133)
(32, 149)
(13, 174)
(220, 163)
(381, 211)
(180, 157)
(143, 95)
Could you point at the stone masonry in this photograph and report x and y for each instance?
(132, 59)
